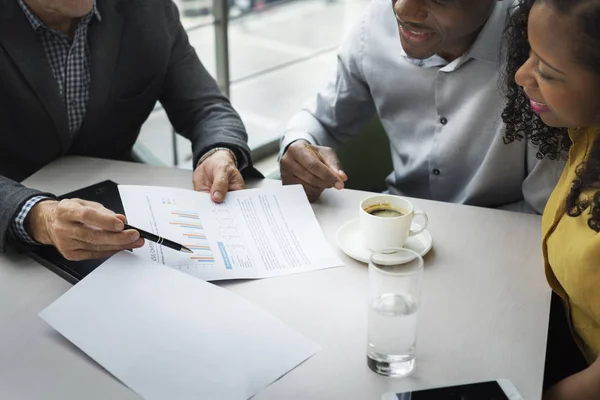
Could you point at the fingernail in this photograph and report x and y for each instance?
(218, 196)
(339, 185)
(134, 236)
(119, 226)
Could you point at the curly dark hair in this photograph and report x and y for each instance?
(521, 122)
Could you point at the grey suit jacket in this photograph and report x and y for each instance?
(140, 55)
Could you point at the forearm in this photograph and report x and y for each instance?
(13, 196)
(225, 131)
(584, 385)
(343, 107)
(330, 120)
(196, 107)
(304, 125)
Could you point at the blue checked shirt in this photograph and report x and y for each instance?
(70, 60)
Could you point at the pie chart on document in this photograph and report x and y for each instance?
(350, 239)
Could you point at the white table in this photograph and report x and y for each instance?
(484, 313)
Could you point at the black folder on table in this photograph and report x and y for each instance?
(105, 193)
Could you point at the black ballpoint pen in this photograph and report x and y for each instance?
(159, 240)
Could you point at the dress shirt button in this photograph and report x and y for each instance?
(436, 171)
(73, 103)
(443, 120)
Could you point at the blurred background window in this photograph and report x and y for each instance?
(269, 56)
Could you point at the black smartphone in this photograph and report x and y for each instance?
(500, 389)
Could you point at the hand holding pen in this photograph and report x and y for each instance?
(160, 240)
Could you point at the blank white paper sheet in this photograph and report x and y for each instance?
(168, 335)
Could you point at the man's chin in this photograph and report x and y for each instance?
(418, 53)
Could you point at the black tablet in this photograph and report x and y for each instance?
(105, 193)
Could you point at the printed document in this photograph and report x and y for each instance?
(255, 233)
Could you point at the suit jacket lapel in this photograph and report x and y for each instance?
(105, 41)
(27, 52)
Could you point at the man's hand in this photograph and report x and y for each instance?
(316, 168)
(217, 175)
(80, 229)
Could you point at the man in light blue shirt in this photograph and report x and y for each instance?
(429, 69)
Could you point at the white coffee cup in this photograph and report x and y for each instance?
(383, 232)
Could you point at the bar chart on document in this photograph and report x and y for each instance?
(178, 218)
(193, 237)
(253, 234)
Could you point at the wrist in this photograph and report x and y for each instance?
(39, 220)
(218, 151)
(296, 142)
(303, 142)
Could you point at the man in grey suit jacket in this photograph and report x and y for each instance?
(80, 78)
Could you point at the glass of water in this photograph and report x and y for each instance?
(395, 277)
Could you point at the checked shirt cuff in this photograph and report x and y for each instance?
(17, 228)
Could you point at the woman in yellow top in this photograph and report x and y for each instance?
(553, 76)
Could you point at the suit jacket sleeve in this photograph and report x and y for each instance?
(196, 107)
(13, 196)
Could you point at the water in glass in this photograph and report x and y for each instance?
(392, 334)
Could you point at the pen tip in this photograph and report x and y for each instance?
(186, 250)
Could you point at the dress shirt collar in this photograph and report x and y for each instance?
(431, 62)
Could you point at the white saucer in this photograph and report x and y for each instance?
(349, 238)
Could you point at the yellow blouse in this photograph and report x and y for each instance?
(572, 251)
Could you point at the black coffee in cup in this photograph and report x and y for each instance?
(385, 211)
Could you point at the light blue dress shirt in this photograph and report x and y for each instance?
(443, 119)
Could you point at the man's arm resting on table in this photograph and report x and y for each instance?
(195, 105)
(343, 107)
(78, 229)
(338, 112)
